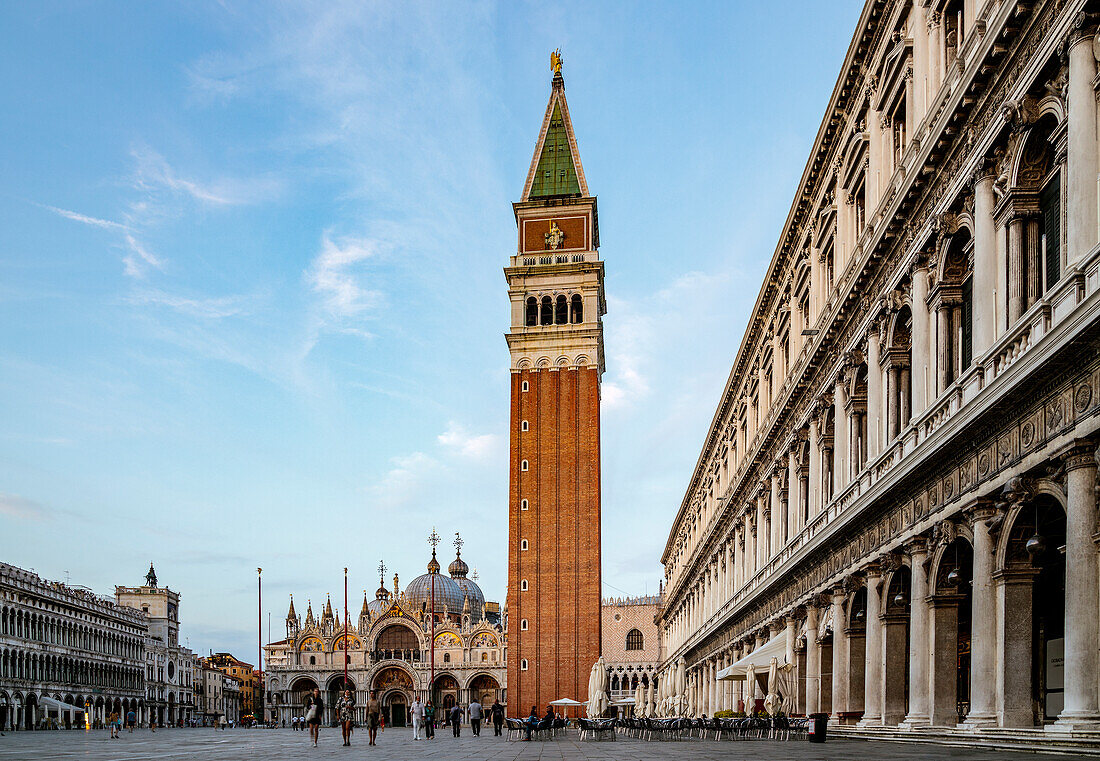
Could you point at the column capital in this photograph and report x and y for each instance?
(1079, 453)
(1083, 28)
(985, 510)
(918, 545)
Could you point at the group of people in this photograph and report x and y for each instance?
(423, 717)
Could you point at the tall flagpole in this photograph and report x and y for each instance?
(259, 640)
(433, 540)
(345, 628)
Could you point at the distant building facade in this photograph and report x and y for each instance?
(217, 694)
(390, 647)
(250, 681)
(631, 646)
(169, 693)
(62, 645)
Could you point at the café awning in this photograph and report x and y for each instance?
(760, 659)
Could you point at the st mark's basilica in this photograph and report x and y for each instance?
(389, 648)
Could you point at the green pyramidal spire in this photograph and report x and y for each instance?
(556, 174)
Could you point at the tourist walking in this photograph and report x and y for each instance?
(113, 720)
(475, 717)
(345, 709)
(497, 712)
(418, 717)
(315, 708)
(131, 719)
(374, 711)
(429, 720)
(455, 717)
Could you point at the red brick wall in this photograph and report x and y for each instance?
(562, 527)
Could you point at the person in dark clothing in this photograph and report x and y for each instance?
(497, 712)
(549, 714)
(456, 720)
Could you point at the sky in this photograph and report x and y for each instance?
(252, 308)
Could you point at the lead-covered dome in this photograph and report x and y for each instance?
(458, 570)
(448, 595)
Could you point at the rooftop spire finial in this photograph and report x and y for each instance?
(458, 544)
(555, 62)
(151, 577)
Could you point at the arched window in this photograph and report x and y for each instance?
(634, 640)
(523, 465)
(576, 309)
(523, 585)
(561, 313)
(523, 426)
(446, 657)
(523, 544)
(523, 664)
(523, 625)
(484, 657)
(523, 504)
(532, 311)
(547, 316)
(525, 386)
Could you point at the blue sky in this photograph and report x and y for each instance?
(251, 299)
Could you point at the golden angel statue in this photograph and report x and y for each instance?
(555, 61)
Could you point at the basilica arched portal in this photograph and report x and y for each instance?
(394, 687)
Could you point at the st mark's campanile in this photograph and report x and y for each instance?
(555, 284)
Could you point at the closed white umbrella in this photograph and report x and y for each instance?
(639, 701)
(651, 708)
(773, 702)
(597, 690)
(750, 688)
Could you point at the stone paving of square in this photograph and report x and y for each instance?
(393, 744)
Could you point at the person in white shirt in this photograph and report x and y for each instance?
(418, 717)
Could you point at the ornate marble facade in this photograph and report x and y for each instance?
(389, 648)
(900, 479)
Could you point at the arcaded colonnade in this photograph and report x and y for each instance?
(900, 479)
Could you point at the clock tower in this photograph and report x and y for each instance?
(556, 289)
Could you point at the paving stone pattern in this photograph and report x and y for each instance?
(397, 745)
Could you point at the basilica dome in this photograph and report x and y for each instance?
(458, 570)
(449, 595)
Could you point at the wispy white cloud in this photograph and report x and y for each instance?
(153, 173)
(139, 258)
(333, 276)
(84, 218)
(474, 446)
(402, 484)
(14, 506)
(211, 308)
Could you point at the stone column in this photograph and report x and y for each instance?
(919, 365)
(1081, 220)
(777, 517)
(984, 282)
(919, 650)
(816, 286)
(916, 103)
(873, 659)
(840, 655)
(814, 484)
(1082, 588)
(983, 624)
(874, 393)
(1017, 287)
(793, 497)
(795, 334)
(840, 437)
(813, 661)
(935, 70)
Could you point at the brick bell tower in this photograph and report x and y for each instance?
(555, 284)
